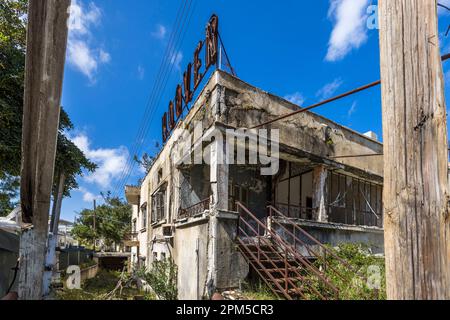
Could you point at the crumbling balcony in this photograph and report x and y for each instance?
(132, 193)
(195, 210)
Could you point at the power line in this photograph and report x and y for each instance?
(169, 60)
(365, 87)
(163, 84)
(153, 91)
(338, 97)
(111, 219)
(443, 6)
(161, 92)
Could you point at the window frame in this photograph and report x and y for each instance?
(158, 213)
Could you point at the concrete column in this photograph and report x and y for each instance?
(320, 192)
(218, 175)
(219, 202)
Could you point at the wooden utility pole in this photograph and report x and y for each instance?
(52, 243)
(417, 225)
(95, 218)
(45, 57)
(57, 203)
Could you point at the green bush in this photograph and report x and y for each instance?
(355, 283)
(258, 291)
(162, 278)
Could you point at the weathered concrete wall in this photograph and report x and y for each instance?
(190, 255)
(9, 253)
(247, 106)
(231, 268)
(89, 273)
(336, 234)
(161, 247)
(256, 185)
(207, 257)
(8, 261)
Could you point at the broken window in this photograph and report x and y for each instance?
(144, 216)
(354, 201)
(237, 193)
(158, 206)
(160, 175)
(293, 195)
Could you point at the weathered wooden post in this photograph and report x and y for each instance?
(50, 257)
(417, 224)
(46, 49)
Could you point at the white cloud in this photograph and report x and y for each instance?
(329, 89)
(160, 32)
(111, 162)
(176, 60)
(296, 98)
(88, 196)
(444, 11)
(104, 56)
(81, 51)
(141, 72)
(80, 21)
(82, 58)
(352, 109)
(350, 31)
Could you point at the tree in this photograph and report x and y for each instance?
(146, 162)
(9, 193)
(12, 66)
(69, 158)
(113, 222)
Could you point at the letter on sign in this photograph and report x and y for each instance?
(197, 64)
(171, 116)
(188, 95)
(179, 100)
(211, 41)
(164, 127)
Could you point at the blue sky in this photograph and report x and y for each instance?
(304, 51)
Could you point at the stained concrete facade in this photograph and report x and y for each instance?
(190, 207)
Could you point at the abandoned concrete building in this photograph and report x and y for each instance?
(210, 218)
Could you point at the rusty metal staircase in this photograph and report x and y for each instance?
(271, 249)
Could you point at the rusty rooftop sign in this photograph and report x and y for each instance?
(192, 77)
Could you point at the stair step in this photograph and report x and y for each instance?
(295, 291)
(275, 261)
(265, 250)
(282, 270)
(292, 279)
(269, 251)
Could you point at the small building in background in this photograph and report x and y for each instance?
(10, 227)
(65, 238)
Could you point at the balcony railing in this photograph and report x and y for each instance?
(194, 210)
(132, 236)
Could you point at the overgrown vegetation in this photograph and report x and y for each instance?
(258, 291)
(162, 278)
(366, 283)
(365, 280)
(107, 285)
